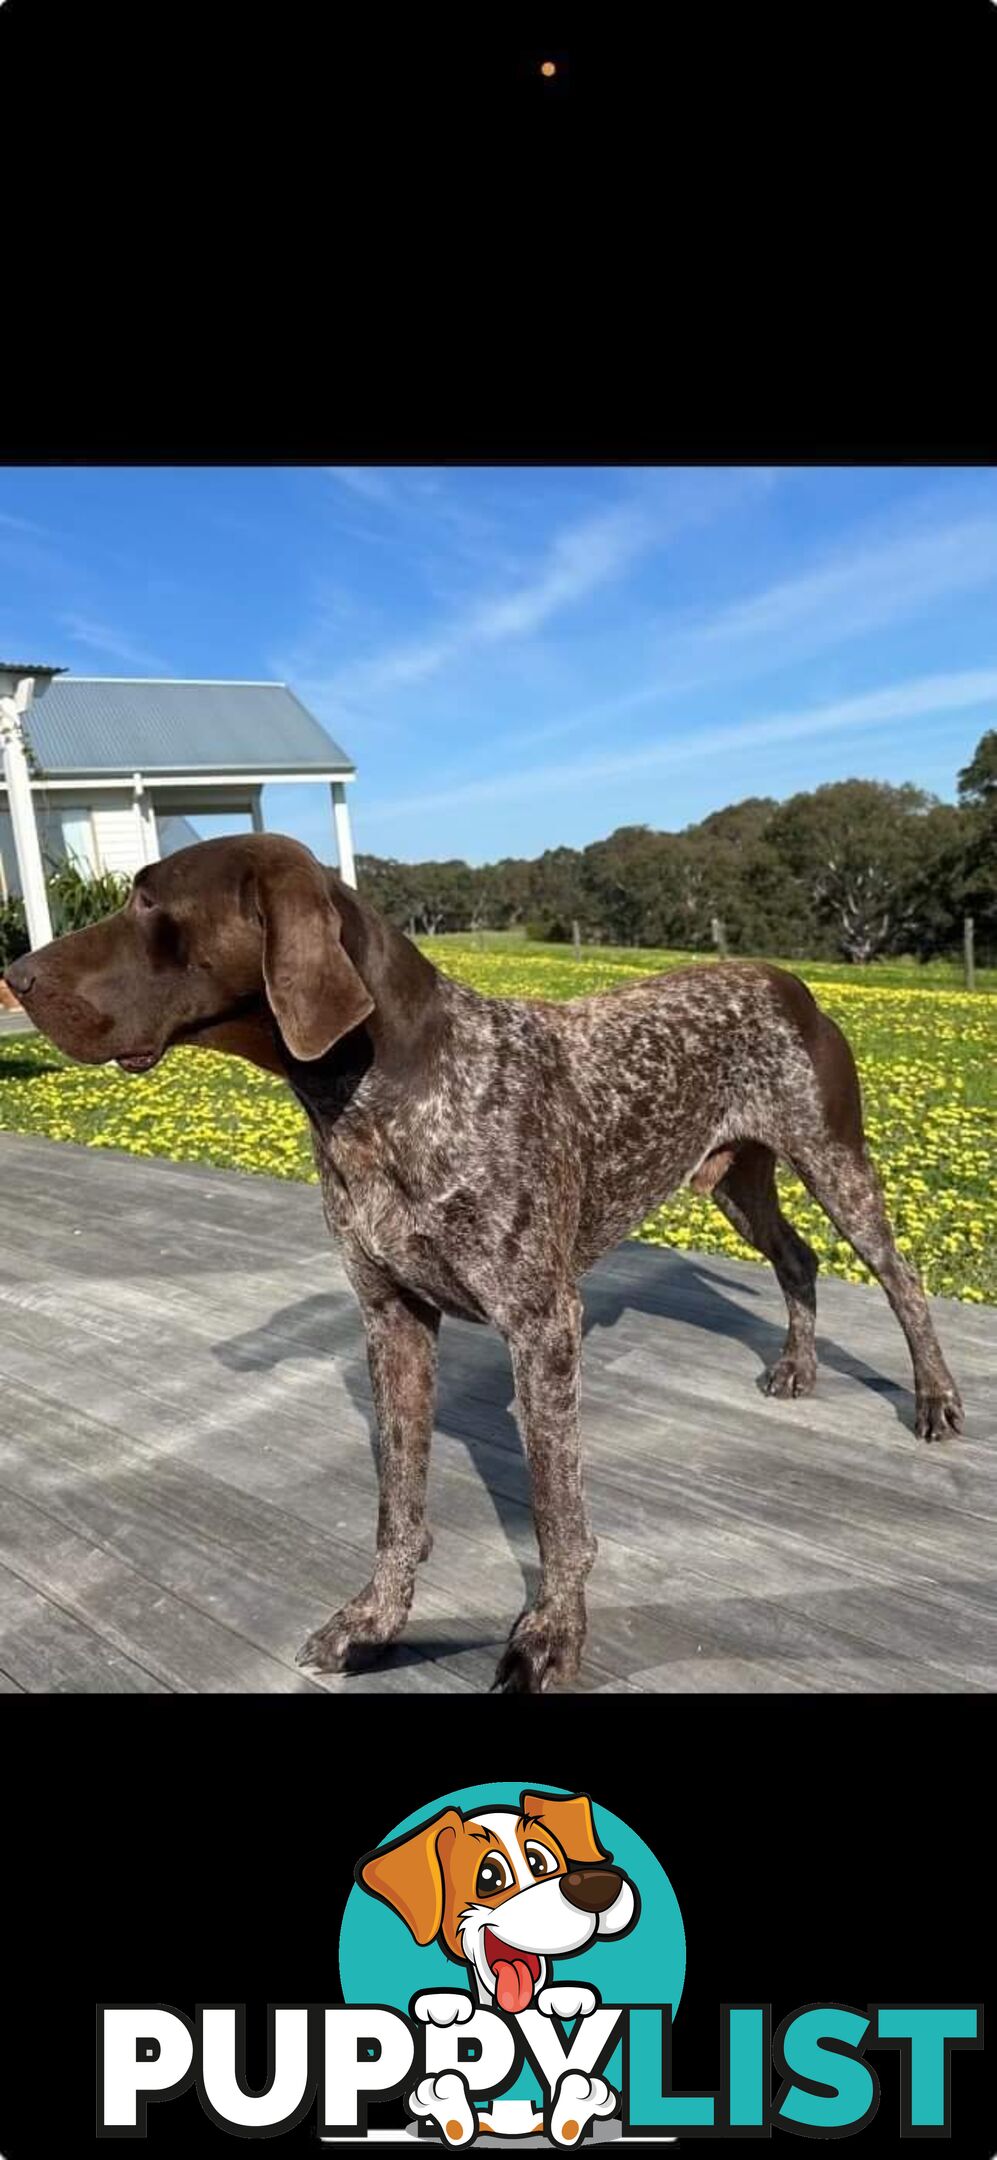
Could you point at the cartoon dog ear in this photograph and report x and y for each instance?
(314, 990)
(409, 1876)
(569, 1821)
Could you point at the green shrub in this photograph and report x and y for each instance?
(548, 931)
(77, 898)
(14, 939)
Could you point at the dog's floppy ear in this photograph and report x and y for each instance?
(569, 1821)
(313, 987)
(409, 1875)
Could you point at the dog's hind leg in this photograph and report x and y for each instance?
(842, 1179)
(819, 1130)
(401, 1354)
(747, 1195)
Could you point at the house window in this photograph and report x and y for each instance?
(78, 842)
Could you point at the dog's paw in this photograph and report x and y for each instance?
(791, 1376)
(443, 2008)
(545, 1648)
(353, 1637)
(578, 2099)
(938, 1413)
(566, 2000)
(444, 2100)
(532, 1668)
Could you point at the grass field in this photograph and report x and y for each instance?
(880, 974)
(926, 1050)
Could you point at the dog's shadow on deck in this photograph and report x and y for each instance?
(475, 1391)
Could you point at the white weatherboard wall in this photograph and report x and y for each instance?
(119, 837)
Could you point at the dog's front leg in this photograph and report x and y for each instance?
(401, 1354)
(546, 1642)
(579, 2100)
(445, 2100)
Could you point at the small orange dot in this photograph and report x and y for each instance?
(570, 2129)
(454, 2130)
(547, 67)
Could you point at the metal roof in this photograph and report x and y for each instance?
(90, 725)
(28, 667)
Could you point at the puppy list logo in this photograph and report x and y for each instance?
(503, 1890)
(452, 2008)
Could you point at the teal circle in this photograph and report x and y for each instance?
(380, 1961)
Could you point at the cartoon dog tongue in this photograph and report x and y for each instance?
(513, 1984)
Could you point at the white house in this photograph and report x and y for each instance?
(107, 770)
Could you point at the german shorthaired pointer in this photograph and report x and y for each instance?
(477, 1154)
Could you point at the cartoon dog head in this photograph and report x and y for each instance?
(504, 1889)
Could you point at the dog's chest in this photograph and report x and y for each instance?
(416, 1241)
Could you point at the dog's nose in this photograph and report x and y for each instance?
(20, 975)
(592, 1889)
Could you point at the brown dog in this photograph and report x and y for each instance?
(478, 1154)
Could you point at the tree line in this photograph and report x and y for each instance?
(856, 869)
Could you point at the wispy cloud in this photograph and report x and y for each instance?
(103, 638)
(869, 587)
(894, 702)
(577, 563)
(863, 588)
(366, 480)
(511, 600)
(23, 525)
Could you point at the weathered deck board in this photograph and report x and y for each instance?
(44, 1647)
(187, 1482)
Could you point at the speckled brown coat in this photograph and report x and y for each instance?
(477, 1154)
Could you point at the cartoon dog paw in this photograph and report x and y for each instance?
(577, 2100)
(443, 2100)
(567, 2001)
(443, 2007)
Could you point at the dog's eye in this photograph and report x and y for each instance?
(540, 1861)
(493, 1874)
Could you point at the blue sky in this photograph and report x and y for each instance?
(526, 657)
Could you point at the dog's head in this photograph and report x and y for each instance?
(213, 936)
(505, 1889)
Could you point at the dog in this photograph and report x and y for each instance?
(477, 1154)
(503, 1891)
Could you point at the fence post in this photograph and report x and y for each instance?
(576, 937)
(719, 935)
(969, 962)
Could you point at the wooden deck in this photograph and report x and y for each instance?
(187, 1485)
